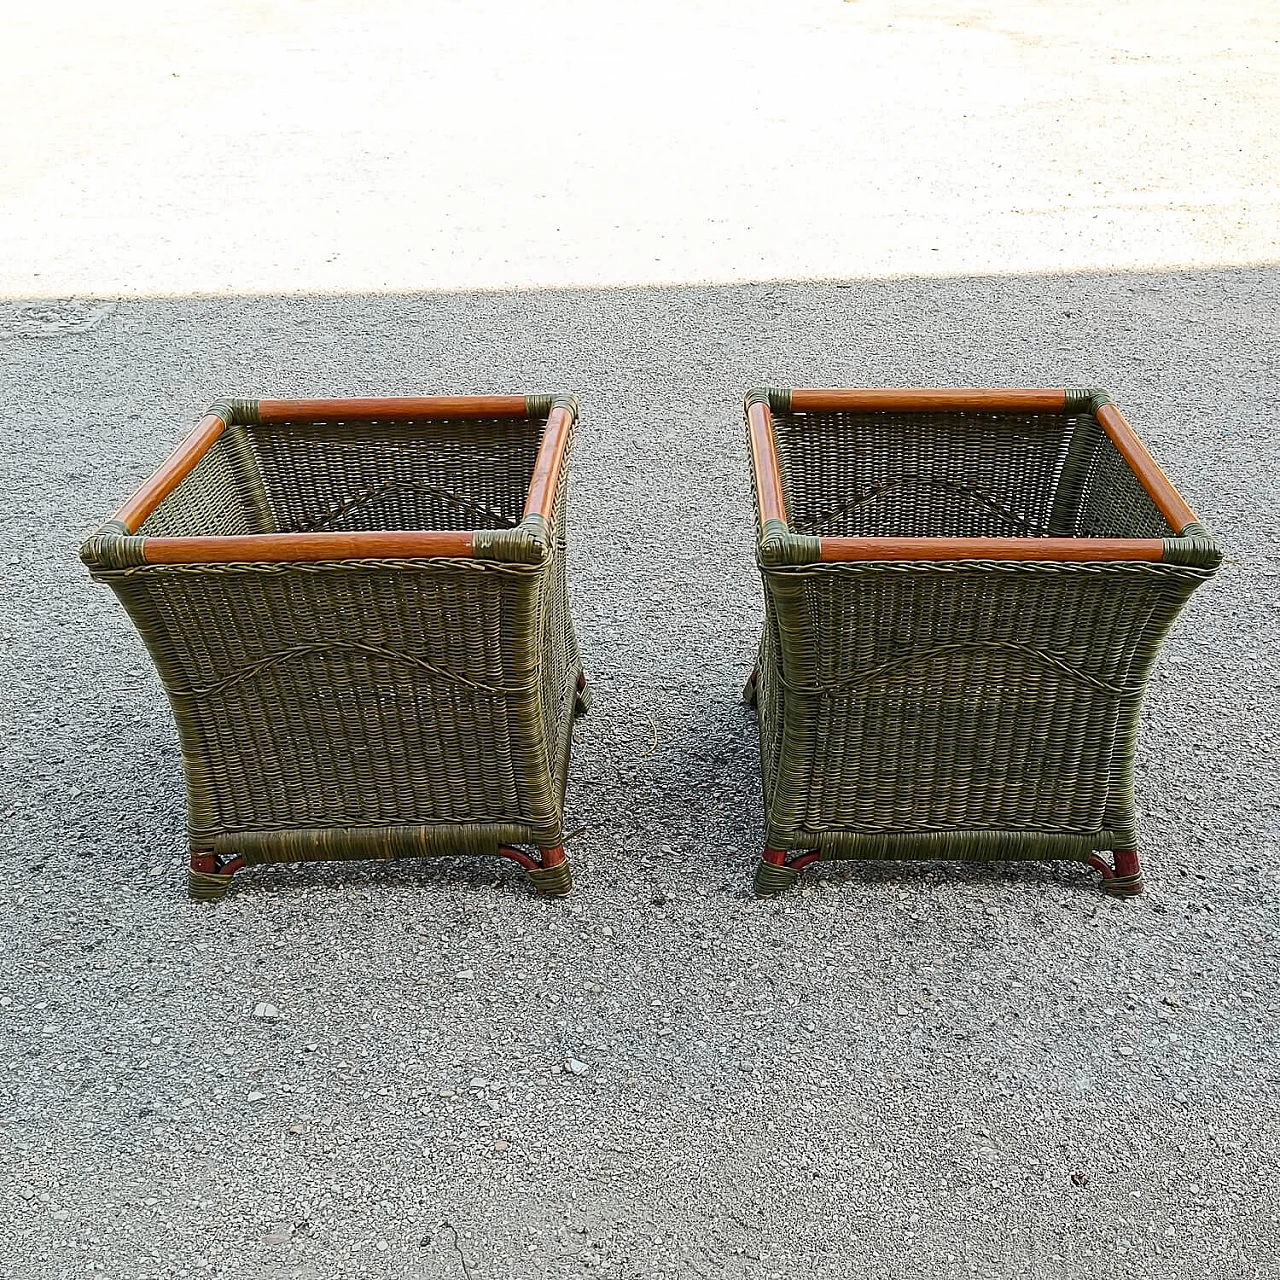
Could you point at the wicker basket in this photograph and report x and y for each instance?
(965, 592)
(358, 611)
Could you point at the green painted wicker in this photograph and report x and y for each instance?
(974, 709)
(363, 707)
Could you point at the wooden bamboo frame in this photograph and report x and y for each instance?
(768, 476)
(279, 547)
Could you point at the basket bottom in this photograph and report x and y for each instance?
(210, 874)
(778, 869)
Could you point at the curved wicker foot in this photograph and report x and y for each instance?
(552, 879)
(209, 876)
(207, 886)
(749, 694)
(582, 698)
(773, 875)
(1124, 880)
(549, 871)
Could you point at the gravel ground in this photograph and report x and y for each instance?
(404, 1070)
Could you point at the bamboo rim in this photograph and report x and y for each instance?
(772, 505)
(373, 545)
(841, 550)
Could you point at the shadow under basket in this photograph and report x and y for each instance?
(965, 593)
(358, 611)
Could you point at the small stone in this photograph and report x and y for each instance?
(297, 1128)
(1125, 1052)
(500, 1145)
(382, 1246)
(465, 974)
(902, 1011)
(257, 1096)
(27, 1194)
(5, 1001)
(664, 1031)
(478, 1083)
(265, 1012)
(607, 931)
(578, 1068)
(278, 1236)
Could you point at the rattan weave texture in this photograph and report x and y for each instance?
(957, 708)
(363, 707)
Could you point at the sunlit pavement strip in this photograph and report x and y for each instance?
(896, 1072)
(331, 146)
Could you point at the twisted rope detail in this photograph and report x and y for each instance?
(884, 489)
(388, 655)
(860, 679)
(362, 499)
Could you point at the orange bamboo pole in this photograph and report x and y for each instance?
(919, 399)
(836, 550)
(764, 458)
(546, 469)
(271, 547)
(392, 408)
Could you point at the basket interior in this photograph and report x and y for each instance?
(439, 474)
(959, 474)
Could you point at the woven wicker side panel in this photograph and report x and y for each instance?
(352, 695)
(769, 694)
(215, 498)
(560, 662)
(942, 474)
(964, 696)
(1113, 503)
(471, 474)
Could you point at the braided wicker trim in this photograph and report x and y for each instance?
(322, 843)
(253, 567)
(919, 657)
(960, 846)
(297, 653)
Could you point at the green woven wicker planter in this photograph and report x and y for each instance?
(965, 592)
(358, 611)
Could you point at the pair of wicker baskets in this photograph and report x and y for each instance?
(358, 610)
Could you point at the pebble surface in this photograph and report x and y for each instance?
(389, 1069)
